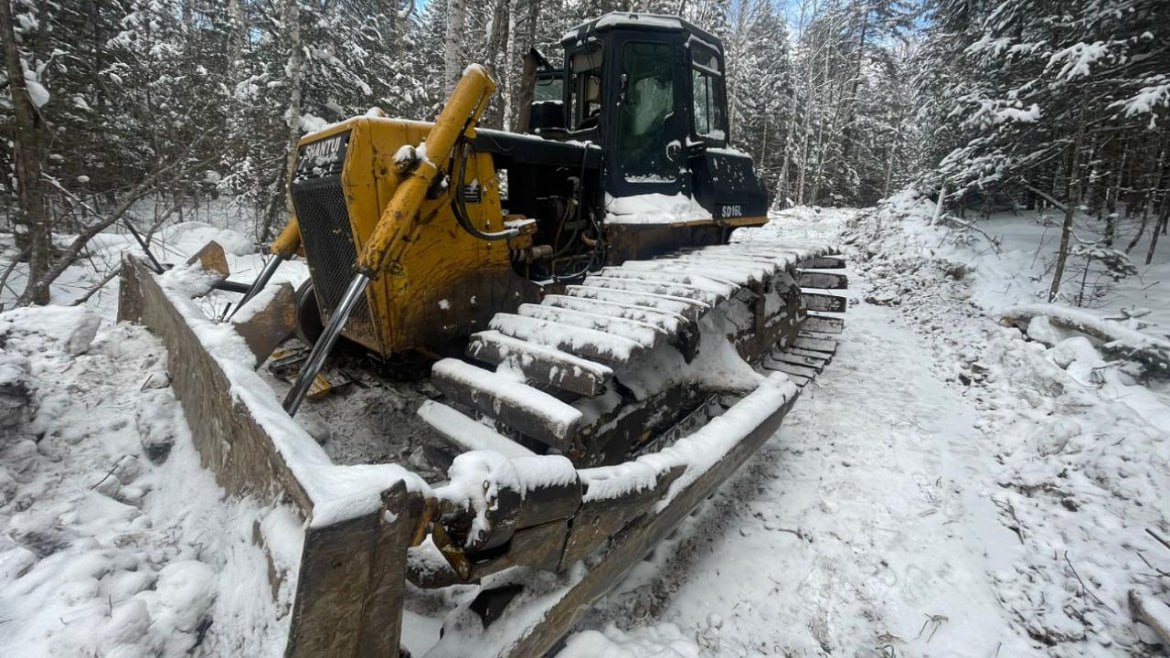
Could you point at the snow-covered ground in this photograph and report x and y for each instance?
(946, 487)
(114, 541)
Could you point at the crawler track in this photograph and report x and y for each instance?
(597, 372)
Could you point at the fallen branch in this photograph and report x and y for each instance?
(1118, 340)
(955, 221)
(1083, 585)
(1157, 537)
(101, 284)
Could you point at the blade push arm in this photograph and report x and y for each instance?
(397, 226)
(398, 223)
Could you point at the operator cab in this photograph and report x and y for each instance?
(651, 91)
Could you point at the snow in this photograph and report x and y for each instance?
(633, 20)
(476, 479)
(471, 433)
(258, 303)
(475, 68)
(663, 641)
(1030, 115)
(653, 209)
(615, 346)
(311, 123)
(105, 547)
(1077, 60)
(557, 414)
(37, 94)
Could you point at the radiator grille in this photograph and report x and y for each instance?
(329, 248)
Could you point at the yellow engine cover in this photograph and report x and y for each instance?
(447, 284)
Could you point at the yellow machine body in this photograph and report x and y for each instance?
(446, 282)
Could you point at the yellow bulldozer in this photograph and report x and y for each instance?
(608, 337)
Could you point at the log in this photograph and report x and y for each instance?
(1118, 340)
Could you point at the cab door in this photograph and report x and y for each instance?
(650, 122)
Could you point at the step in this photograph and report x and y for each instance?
(655, 288)
(740, 273)
(815, 344)
(527, 410)
(540, 364)
(771, 366)
(790, 369)
(826, 324)
(819, 301)
(742, 252)
(798, 351)
(824, 263)
(816, 363)
(668, 321)
(671, 274)
(466, 434)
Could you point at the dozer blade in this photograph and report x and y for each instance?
(212, 259)
(267, 320)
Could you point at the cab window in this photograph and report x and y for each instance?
(585, 111)
(707, 90)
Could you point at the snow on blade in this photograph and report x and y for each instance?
(338, 492)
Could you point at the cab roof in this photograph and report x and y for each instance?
(637, 21)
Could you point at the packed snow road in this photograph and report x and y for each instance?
(861, 523)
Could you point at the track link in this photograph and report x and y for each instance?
(556, 373)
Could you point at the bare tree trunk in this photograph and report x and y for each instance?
(32, 214)
(236, 38)
(1074, 191)
(521, 39)
(849, 135)
(452, 62)
(782, 190)
(1155, 179)
(296, 73)
(1162, 222)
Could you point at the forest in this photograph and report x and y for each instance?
(136, 112)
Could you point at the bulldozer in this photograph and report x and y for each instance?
(609, 334)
